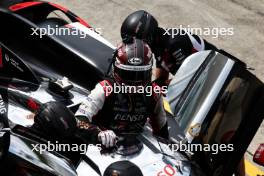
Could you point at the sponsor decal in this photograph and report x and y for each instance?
(194, 130)
(135, 61)
(168, 170)
(13, 62)
(3, 109)
(129, 117)
(30, 116)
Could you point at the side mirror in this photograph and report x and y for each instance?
(259, 155)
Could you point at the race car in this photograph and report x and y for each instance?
(213, 99)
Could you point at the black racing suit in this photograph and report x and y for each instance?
(172, 46)
(121, 112)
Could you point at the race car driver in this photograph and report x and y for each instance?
(108, 114)
(169, 46)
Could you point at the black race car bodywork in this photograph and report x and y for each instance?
(57, 55)
(206, 89)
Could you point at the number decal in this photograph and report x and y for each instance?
(168, 170)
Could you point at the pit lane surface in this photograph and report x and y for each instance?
(246, 17)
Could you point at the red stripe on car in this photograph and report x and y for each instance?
(83, 22)
(66, 11)
(23, 5)
(58, 7)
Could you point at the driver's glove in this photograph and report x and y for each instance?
(107, 138)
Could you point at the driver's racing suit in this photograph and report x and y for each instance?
(122, 113)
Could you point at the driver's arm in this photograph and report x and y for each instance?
(161, 76)
(89, 109)
(92, 104)
(158, 120)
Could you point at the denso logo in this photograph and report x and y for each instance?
(2, 106)
(135, 61)
(129, 117)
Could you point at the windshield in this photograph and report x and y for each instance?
(202, 90)
(183, 76)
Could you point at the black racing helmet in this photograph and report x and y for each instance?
(139, 24)
(55, 121)
(133, 63)
(123, 168)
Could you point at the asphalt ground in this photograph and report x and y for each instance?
(245, 18)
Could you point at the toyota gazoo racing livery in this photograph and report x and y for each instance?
(212, 100)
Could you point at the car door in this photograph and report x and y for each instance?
(217, 102)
